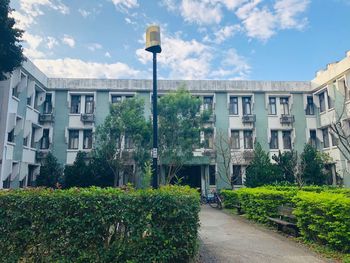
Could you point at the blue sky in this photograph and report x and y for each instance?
(207, 39)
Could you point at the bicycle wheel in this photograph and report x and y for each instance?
(214, 203)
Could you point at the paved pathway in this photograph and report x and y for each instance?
(227, 238)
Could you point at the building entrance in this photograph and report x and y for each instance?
(189, 175)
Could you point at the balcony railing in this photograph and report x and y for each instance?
(87, 117)
(248, 118)
(248, 155)
(46, 117)
(41, 154)
(287, 119)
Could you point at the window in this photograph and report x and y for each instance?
(129, 97)
(274, 140)
(75, 104)
(248, 139)
(310, 110)
(334, 139)
(48, 104)
(29, 101)
(208, 103)
(325, 138)
(30, 181)
(45, 140)
(285, 105)
(313, 138)
(89, 104)
(73, 141)
(233, 107)
(15, 91)
(321, 97)
(26, 141)
(235, 144)
(208, 139)
(330, 102)
(128, 142)
(36, 99)
(11, 136)
(116, 99)
(212, 180)
(247, 106)
(287, 140)
(272, 106)
(236, 175)
(32, 140)
(6, 183)
(346, 90)
(87, 142)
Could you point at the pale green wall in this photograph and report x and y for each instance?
(299, 123)
(261, 123)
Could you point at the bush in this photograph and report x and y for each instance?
(230, 198)
(324, 218)
(99, 225)
(260, 203)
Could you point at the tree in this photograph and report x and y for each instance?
(124, 138)
(179, 130)
(261, 171)
(50, 172)
(79, 174)
(312, 166)
(11, 53)
(287, 164)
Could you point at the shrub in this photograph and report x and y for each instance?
(324, 218)
(98, 225)
(260, 203)
(230, 198)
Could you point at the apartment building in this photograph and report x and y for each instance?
(40, 114)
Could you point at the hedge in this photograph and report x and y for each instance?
(324, 218)
(230, 198)
(99, 225)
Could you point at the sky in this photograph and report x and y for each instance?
(201, 39)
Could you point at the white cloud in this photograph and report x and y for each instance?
(84, 13)
(29, 10)
(51, 42)
(68, 40)
(225, 33)
(200, 12)
(193, 60)
(107, 55)
(76, 68)
(94, 46)
(123, 5)
(287, 12)
(33, 42)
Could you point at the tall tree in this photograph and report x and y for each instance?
(11, 52)
(312, 166)
(179, 130)
(124, 138)
(261, 171)
(50, 172)
(287, 164)
(79, 174)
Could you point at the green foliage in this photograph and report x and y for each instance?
(325, 218)
(260, 203)
(126, 119)
(312, 166)
(147, 176)
(230, 198)
(287, 163)
(99, 225)
(50, 172)
(261, 171)
(179, 129)
(11, 53)
(79, 174)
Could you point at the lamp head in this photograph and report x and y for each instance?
(153, 39)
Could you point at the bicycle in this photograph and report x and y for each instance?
(213, 199)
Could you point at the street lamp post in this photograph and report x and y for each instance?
(153, 45)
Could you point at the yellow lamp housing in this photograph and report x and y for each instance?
(153, 39)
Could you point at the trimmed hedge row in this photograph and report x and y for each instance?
(324, 218)
(99, 225)
(323, 214)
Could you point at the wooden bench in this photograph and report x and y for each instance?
(286, 219)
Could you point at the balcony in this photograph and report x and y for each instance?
(87, 117)
(41, 154)
(248, 155)
(248, 118)
(287, 119)
(46, 117)
(209, 153)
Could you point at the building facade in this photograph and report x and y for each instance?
(40, 114)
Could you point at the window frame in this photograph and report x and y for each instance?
(71, 139)
(237, 138)
(71, 104)
(247, 105)
(287, 146)
(274, 135)
(233, 106)
(248, 144)
(272, 106)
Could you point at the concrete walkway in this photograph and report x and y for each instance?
(229, 238)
